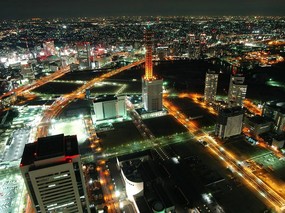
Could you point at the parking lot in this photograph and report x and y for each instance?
(20, 132)
(12, 191)
(72, 126)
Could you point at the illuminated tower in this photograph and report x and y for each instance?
(151, 86)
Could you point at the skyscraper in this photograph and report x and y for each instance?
(237, 90)
(211, 84)
(193, 47)
(151, 86)
(52, 172)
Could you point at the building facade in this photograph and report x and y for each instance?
(276, 111)
(258, 125)
(237, 90)
(211, 84)
(52, 171)
(152, 95)
(83, 55)
(229, 122)
(107, 107)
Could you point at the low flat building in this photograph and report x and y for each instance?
(258, 125)
(278, 141)
(276, 111)
(107, 107)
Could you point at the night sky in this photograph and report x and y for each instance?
(10, 9)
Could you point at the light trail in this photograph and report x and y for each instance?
(64, 100)
(265, 192)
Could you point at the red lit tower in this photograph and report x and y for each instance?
(151, 86)
(148, 55)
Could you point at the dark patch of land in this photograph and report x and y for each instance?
(164, 126)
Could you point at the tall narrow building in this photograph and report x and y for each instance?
(151, 86)
(53, 176)
(83, 54)
(211, 84)
(237, 90)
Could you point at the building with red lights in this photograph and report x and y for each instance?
(52, 171)
(151, 86)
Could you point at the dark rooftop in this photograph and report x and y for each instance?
(231, 111)
(259, 119)
(50, 147)
(277, 105)
(102, 98)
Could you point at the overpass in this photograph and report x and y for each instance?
(64, 100)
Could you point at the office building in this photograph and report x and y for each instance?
(51, 168)
(84, 54)
(276, 111)
(107, 107)
(237, 90)
(151, 86)
(211, 84)
(193, 46)
(258, 125)
(229, 122)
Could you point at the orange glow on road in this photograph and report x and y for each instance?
(269, 196)
(252, 107)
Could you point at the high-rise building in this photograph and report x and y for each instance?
(84, 54)
(203, 43)
(151, 86)
(229, 122)
(237, 90)
(211, 84)
(52, 171)
(193, 47)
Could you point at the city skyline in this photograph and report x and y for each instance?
(140, 114)
(17, 9)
